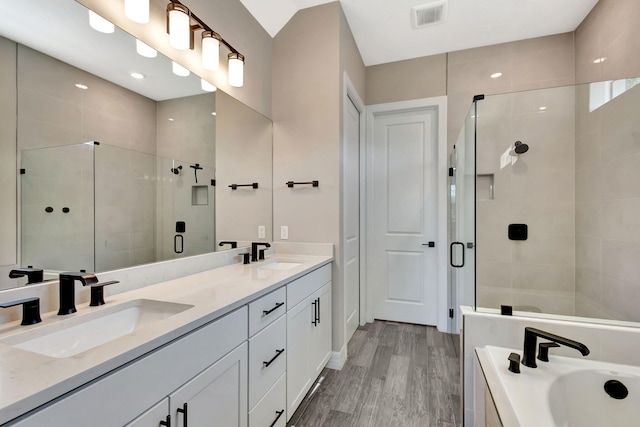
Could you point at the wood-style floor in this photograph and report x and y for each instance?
(396, 375)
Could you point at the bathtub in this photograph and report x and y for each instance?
(563, 392)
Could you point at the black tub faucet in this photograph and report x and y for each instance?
(34, 275)
(530, 340)
(254, 250)
(67, 289)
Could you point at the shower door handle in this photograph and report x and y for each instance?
(176, 238)
(451, 254)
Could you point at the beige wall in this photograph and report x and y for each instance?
(306, 116)
(417, 78)
(244, 145)
(8, 115)
(236, 25)
(610, 31)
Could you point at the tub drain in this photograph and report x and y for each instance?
(616, 389)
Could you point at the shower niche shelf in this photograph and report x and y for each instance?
(199, 195)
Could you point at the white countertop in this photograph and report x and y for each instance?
(28, 380)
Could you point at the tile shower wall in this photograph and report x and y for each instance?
(608, 207)
(535, 188)
(8, 235)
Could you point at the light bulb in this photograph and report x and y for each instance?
(179, 70)
(210, 50)
(100, 24)
(145, 50)
(179, 26)
(137, 10)
(236, 69)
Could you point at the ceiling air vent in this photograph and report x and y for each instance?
(429, 14)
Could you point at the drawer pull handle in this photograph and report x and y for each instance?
(183, 411)
(166, 422)
(268, 312)
(278, 353)
(277, 418)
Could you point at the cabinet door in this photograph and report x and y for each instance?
(153, 416)
(320, 340)
(217, 396)
(298, 334)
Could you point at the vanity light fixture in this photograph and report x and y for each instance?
(137, 10)
(100, 24)
(181, 36)
(145, 50)
(137, 76)
(206, 86)
(210, 50)
(179, 26)
(236, 69)
(179, 70)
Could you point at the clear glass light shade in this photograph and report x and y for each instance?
(179, 70)
(206, 86)
(137, 10)
(179, 27)
(236, 70)
(100, 24)
(210, 52)
(145, 50)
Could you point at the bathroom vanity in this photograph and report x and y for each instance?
(240, 344)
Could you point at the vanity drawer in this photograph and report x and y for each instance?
(265, 310)
(269, 408)
(301, 288)
(267, 359)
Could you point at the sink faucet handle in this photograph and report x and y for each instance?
(97, 292)
(30, 309)
(543, 350)
(514, 363)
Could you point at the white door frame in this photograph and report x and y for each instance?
(366, 291)
(350, 94)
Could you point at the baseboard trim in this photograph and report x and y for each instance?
(338, 359)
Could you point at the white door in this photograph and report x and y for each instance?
(403, 265)
(352, 216)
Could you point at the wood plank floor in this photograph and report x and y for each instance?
(396, 375)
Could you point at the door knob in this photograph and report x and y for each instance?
(430, 244)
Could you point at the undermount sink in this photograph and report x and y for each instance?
(279, 265)
(81, 333)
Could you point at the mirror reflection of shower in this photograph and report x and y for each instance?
(176, 171)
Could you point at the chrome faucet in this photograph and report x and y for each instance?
(530, 340)
(67, 290)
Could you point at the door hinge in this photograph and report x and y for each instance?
(451, 313)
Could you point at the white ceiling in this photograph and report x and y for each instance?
(383, 32)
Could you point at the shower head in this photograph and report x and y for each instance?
(177, 170)
(520, 148)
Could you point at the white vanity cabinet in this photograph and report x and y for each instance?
(191, 370)
(308, 333)
(153, 416)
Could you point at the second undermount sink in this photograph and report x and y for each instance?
(81, 333)
(279, 265)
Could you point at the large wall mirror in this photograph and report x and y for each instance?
(109, 170)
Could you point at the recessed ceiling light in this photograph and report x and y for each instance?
(496, 75)
(542, 108)
(81, 86)
(213, 113)
(171, 119)
(599, 60)
(137, 76)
